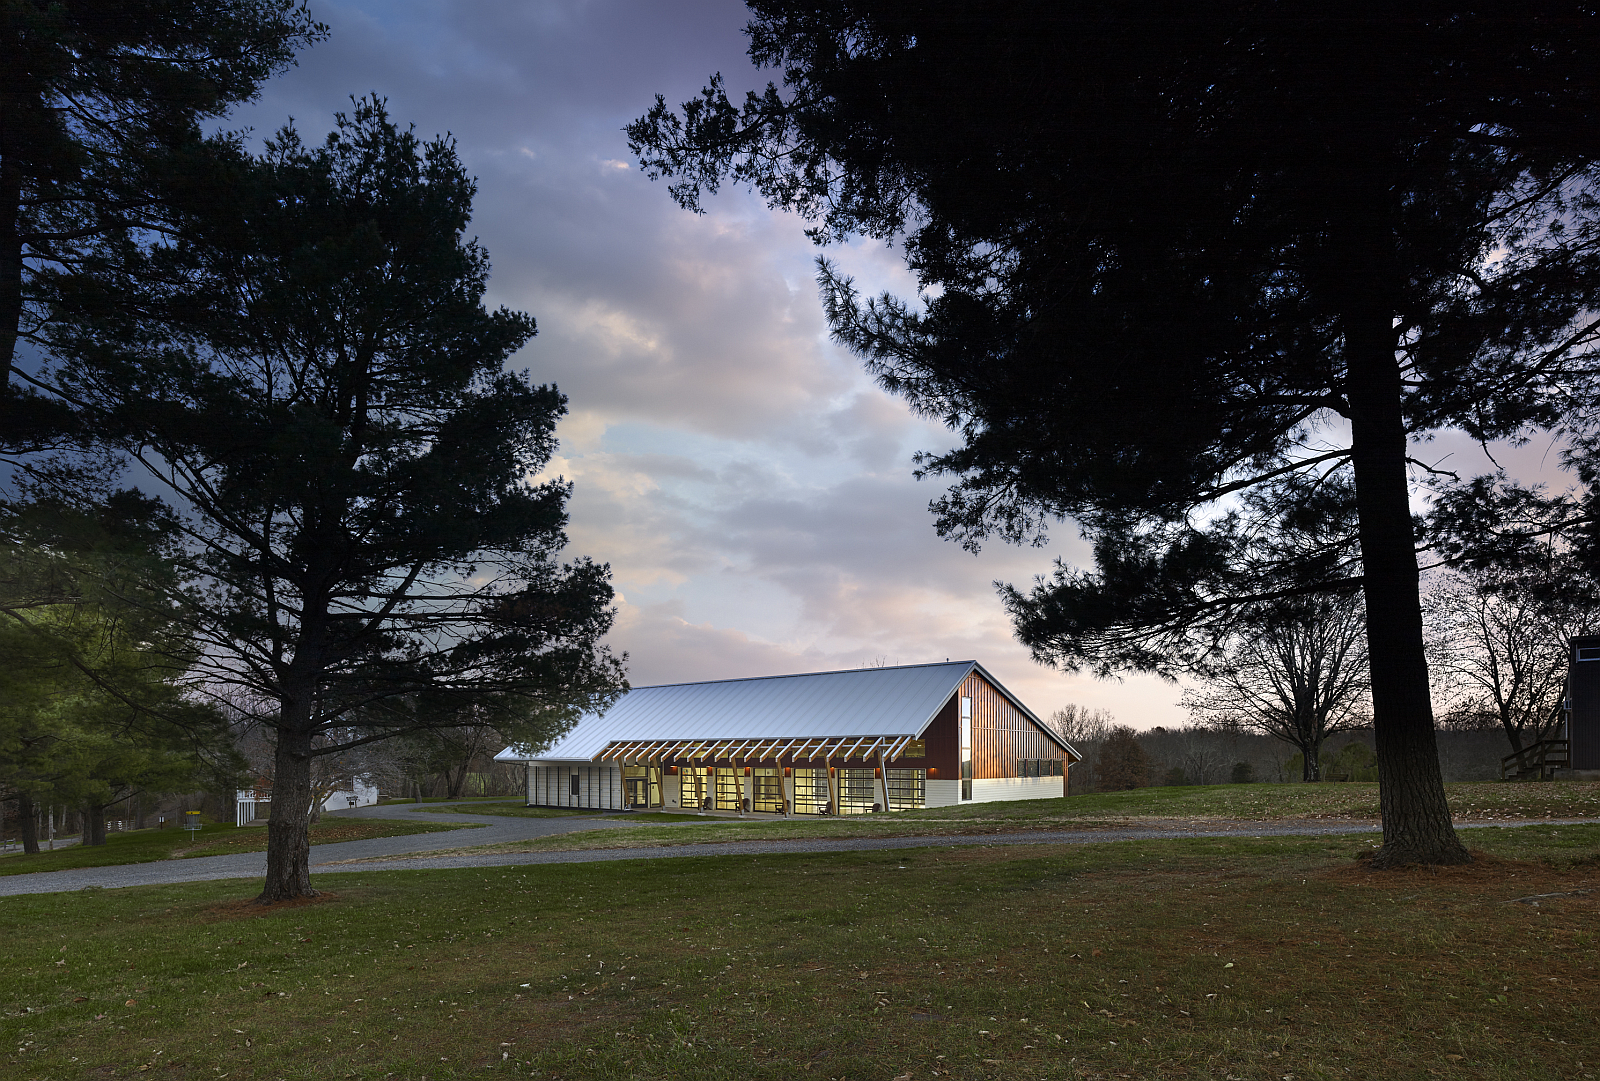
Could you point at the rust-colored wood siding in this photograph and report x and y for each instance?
(943, 739)
(1002, 734)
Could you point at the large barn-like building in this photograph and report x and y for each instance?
(870, 739)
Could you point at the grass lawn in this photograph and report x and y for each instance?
(1205, 958)
(1198, 805)
(148, 846)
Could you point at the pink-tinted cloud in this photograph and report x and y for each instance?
(749, 486)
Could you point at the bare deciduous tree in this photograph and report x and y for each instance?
(1086, 729)
(1499, 649)
(1300, 676)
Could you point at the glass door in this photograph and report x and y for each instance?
(767, 793)
(810, 790)
(858, 791)
(635, 786)
(693, 791)
(730, 789)
(908, 789)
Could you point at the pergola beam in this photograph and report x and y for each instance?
(754, 749)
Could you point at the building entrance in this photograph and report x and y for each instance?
(641, 786)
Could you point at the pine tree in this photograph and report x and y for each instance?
(307, 368)
(100, 110)
(1177, 254)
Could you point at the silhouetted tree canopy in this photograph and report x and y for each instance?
(309, 373)
(1172, 253)
(100, 110)
(1298, 673)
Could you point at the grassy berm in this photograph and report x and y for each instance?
(1209, 958)
(148, 846)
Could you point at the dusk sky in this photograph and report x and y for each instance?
(749, 486)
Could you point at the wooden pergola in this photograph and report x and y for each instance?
(779, 749)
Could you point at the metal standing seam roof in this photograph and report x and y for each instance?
(897, 701)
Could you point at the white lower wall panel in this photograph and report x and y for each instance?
(993, 789)
(599, 787)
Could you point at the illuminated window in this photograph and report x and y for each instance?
(730, 789)
(767, 793)
(966, 747)
(693, 787)
(858, 791)
(917, 748)
(908, 789)
(810, 791)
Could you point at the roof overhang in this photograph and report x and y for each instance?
(838, 713)
(764, 749)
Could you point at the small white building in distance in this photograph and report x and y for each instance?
(869, 739)
(255, 804)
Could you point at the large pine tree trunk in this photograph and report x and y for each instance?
(1416, 817)
(28, 823)
(94, 824)
(288, 843)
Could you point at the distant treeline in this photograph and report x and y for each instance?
(1118, 757)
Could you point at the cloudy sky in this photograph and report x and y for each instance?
(750, 488)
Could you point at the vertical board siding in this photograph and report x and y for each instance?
(599, 787)
(1002, 734)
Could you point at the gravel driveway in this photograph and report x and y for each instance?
(494, 830)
